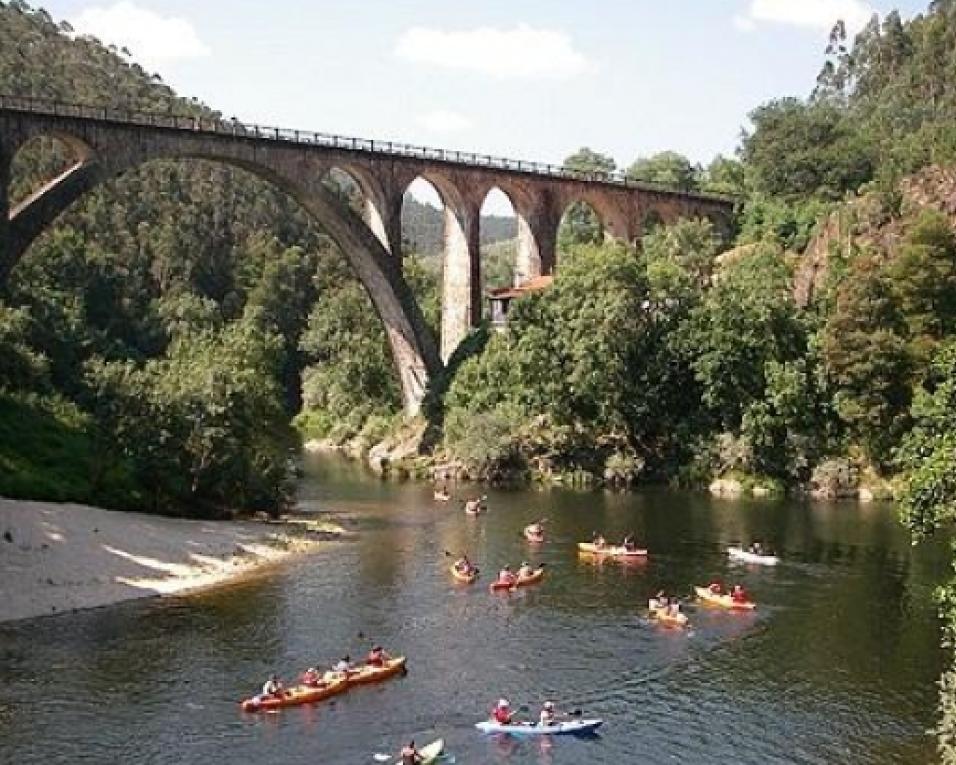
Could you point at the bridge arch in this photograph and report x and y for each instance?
(461, 268)
(413, 351)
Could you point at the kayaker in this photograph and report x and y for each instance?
(410, 755)
(525, 570)
(739, 595)
(547, 716)
(343, 665)
(662, 599)
(502, 712)
(272, 687)
(716, 588)
(311, 677)
(756, 548)
(629, 544)
(505, 576)
(534, 530)
(377, 657)
(598, 540)
(473, 505)
(463, 565)
(442, 494)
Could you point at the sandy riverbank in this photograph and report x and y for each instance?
(57, 558)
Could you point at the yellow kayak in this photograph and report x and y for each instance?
(614, 551)
(665, 616)
(724, 601)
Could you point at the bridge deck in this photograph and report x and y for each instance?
(237, 129)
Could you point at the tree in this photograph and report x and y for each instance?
(668, 168)
(799, 150)
(865, 352)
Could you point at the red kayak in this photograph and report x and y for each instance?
(519, 581)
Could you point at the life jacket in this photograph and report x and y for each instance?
(376, 659)
(502, 715)
(408, 755)
(310, 678)
(739, 596)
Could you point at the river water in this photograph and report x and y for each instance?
(838, 664)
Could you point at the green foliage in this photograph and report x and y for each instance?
(801, 150)
(867, 359)
(928, 452)
(484, 441)
(667, 168)
(202, 426)
(747, 320)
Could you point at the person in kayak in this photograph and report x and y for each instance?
(343, 665)
(506, 577)
(463, 565)
(311, 677)
(534, 530)
(547, 716)
(502, 713)
(525, 570)
(716, 588)
(442, 494)
(473, 505)
(272, 687)
(739, 595)
(410, 755)
(377, 657)
(756, 548)
(598, 540)
(629, 544)
(661, 599)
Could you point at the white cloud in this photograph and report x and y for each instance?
(522, 52)
(810, 14)
(443, 121)
(151, 38)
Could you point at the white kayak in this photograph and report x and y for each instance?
(749, 557)
(567, 727)
(429, 753)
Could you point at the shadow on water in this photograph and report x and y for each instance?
(837, 664)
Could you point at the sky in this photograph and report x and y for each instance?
(526, 79)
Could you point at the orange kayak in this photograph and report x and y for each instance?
(462, 577)
(522, 581)
(298, 694)
(366, 673)
(724, 601)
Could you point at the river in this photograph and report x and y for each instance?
(838, 664)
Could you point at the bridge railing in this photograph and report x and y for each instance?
(234, 127)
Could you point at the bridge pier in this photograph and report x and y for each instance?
(461, 276)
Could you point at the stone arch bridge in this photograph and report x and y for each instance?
(107, 142)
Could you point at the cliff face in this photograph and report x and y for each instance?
(875, 223)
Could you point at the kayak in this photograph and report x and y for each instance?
(567, 727)
(749, 557)
(429, 753)
(298, 694)
(664, 616)
(477, 511)
(532, 536)
(522, 581)
(725, 601)
(366, 673)
(461, 576)
(615, 551)
(441, 497)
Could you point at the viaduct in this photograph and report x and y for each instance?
(107, 142)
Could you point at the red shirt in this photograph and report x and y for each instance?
(502, 715)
